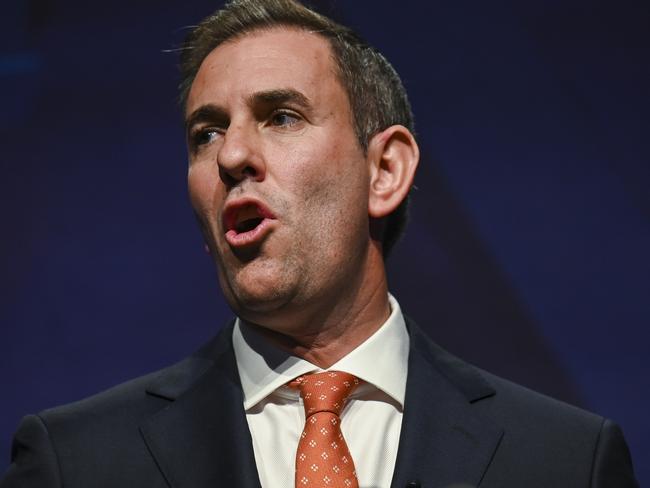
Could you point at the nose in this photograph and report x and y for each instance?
(240, 157)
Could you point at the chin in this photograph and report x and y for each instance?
(252, 295)
(253, 302)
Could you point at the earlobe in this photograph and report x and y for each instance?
(393, 156)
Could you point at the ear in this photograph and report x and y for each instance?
(393, 156)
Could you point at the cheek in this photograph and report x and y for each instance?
(325, 159)
(332, 194)
(204, 189)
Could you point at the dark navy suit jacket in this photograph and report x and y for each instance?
(185, 427)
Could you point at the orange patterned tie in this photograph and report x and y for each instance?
(323, 458)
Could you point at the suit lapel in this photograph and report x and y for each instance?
(443, 441)
(201, 439)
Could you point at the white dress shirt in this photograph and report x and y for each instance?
(371, 420)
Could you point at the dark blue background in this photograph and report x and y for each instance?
(526, 254)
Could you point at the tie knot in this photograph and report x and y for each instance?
(325, 392)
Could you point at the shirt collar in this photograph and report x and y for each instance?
(263, 368)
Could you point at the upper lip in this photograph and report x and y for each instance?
(233, 211)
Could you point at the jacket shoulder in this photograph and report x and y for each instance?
(502, 399)
(83, 442)
(515, 401)
(121, 409)
(568, 442)
(544, 442)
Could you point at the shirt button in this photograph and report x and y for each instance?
(413, 484)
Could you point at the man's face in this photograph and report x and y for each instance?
(277, 177)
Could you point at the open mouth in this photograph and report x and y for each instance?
(245, 222)
(247, 219)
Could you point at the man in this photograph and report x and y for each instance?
(301, 160)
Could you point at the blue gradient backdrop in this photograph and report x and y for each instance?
(527, 253)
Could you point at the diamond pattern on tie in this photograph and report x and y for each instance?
(323, 458)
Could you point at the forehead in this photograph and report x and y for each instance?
(269, 59)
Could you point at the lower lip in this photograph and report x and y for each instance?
(251, 237)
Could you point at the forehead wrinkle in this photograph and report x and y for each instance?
(291, 89)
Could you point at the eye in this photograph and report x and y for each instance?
(205, 136)
(284, 118)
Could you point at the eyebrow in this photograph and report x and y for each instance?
(205, 113)
(282, 95)
(211, 112)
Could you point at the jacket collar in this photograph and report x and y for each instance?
(201, 439)
(444, 440)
